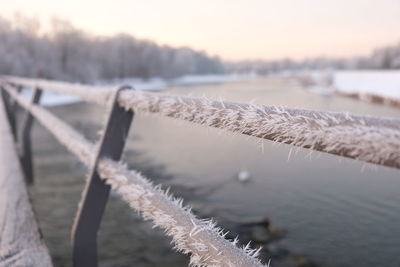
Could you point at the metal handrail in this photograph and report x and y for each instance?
(370, 139)
(201, 239)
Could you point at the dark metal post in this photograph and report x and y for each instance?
(24, 139)
(14, 103)
(95, 194)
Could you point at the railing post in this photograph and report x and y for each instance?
(9, 112)
(14, 104)
(95, 194)
(24, 139)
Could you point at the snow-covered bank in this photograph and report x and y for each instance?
(372, 86)
(158, 84)
(50, 98)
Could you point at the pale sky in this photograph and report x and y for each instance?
(235, 29)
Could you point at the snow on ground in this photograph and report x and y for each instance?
(52, 98)
(157, 84)
(380, 83)
(373, 86)
(318, 82)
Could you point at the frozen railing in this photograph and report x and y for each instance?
(365, 138)
(369, 139)
(200, 238)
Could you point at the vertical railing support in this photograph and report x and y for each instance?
(14, 104)
(95, 194)
(24, 139)
(9, 112)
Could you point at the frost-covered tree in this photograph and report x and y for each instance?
(384, 58)
(68, 53)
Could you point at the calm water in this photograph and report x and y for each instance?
(335, 212)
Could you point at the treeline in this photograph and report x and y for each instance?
(383, 58)
(64, 52)
(67, 53)
(386, 58)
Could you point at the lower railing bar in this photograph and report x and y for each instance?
(96, 191)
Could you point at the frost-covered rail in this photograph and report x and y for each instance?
(200, 238)
(369, 139)
(20, 241)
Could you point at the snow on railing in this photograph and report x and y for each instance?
(99, 95)
(369, 139)
(205, 242)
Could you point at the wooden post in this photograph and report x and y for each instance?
(21, 243)
(95, 194)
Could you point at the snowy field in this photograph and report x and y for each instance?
(373, 86)
(158, 84)
(368, 84)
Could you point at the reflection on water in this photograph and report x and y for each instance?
(335, 212)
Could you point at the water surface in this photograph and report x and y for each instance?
(336, 212)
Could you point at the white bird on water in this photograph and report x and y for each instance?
(243, 176)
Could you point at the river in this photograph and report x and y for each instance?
(334, 212)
